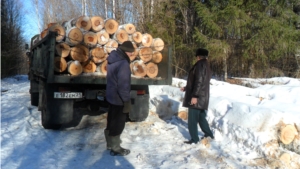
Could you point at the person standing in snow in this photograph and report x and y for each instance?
(196, 97)
(118, 86)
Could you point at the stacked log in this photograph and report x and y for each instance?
(84, 43)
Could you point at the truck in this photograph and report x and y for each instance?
(57, 96)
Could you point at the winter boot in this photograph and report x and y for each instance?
(108, 140)
(116, 149)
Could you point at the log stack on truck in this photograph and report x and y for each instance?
(68, 67)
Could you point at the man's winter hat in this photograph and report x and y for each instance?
(127, 46)
(201, 52)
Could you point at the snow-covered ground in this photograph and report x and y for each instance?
(247, 123)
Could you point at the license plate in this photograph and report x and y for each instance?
(67, 95)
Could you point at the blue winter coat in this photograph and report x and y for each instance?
(118, 78)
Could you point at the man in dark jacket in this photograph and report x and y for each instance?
(197, 96)
(118, 96)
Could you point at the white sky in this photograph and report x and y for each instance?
(245, 122)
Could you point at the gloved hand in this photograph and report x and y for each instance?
(127, 107)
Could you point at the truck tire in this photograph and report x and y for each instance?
(34, 99)
(46, 112)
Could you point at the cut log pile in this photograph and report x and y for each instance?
(84, 43)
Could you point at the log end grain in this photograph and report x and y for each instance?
(287, 134)
(152, 70)
(138, 68)
(111, 26)
(145, 54)
(97, 23)
(84, 23)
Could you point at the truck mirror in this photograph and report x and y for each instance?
(26, 46)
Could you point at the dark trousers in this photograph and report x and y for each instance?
(116, 120)
(198, 116)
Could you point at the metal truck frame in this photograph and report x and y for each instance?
(49, 90)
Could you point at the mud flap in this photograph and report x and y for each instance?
(139, 106)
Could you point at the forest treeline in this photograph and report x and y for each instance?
(246, 38)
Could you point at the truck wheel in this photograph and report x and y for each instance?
(46, 119)
(34, 99)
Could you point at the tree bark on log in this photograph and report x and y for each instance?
(103, 37)
(83, 23)
(74, 36)
(60, 30)
(74, 67)
(60, 64)
(110, 45)
(79, 53)
(97, 23)
(129, 28)
(62, 49)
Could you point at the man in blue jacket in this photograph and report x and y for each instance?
(118, 96)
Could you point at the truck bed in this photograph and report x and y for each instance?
(43, 67)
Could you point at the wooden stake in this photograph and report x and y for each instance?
(60, 64)
(62, 49)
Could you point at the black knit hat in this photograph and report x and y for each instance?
(127, 46)
(201, 52)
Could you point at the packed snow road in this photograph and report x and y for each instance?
(156, 142)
